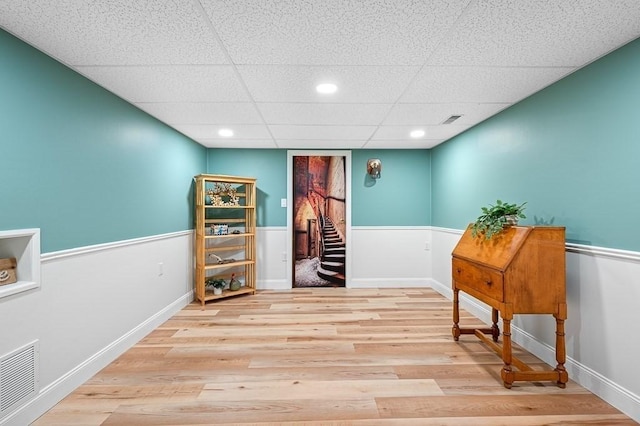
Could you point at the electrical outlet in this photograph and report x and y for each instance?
(160, 269)
(284, 256)
(427, 246)
(283, 202)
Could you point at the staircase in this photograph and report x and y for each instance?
(333, 257)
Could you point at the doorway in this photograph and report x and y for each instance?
(318, 222)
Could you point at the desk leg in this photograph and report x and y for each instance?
(456, 315)
(563, 376)
(508, 375)
(495, 330)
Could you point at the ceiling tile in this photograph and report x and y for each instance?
(321, 144)
(286, 131)
(539, 33)
(443, 131)
(239, 144)
(202, 112)
(181, 83)
(323, 113)
(241, 131)
(335, 32)
(479, 84)
(398, 63)
(117, 32)
(403, 144)
(281, 83)
(433, 114)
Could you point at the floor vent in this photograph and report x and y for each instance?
(18, 377)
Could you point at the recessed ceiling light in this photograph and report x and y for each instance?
(326, 88)
(417, 133)
(225, 133)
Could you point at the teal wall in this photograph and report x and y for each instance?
(87, 167)
(268, 166)
(402, 197)
(572, 151)
(82, 164)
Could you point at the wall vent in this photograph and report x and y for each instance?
(451, 119)
(18, 377)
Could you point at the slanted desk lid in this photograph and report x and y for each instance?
(496, 252)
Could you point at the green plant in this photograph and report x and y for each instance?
(215, 282)
(495, 217)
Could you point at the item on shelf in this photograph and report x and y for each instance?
(217, 283)
(219, 229)
(8, 271)
(234, 284)
(223, 194)
(220, 260)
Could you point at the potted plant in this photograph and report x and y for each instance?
(496, 217)
(217, 283)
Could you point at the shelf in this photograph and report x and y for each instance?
(227, 293)
(228, 265)
(229, 236)
(223, 221)
(24, 245)
(209, 206)
(239, 218)
(224, 248)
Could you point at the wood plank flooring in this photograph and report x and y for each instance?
(324, 356)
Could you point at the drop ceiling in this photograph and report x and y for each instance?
(252, 65)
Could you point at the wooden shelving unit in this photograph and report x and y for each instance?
(225, 243)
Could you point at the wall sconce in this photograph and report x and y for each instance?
(374, 167)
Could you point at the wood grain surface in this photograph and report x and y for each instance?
(326, 356)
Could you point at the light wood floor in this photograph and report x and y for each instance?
(321, 357)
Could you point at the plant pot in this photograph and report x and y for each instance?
(511, 220)
(217, 291)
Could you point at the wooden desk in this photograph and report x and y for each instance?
(519, 271)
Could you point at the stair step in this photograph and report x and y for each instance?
(336, 257)
(333, 245)
(334, 251)
(333, 266)
(332, 276)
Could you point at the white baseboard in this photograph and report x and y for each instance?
(282, 284)
(616, 395)
(63, 386)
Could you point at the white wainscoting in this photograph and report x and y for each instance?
(390, 256)
(603, 297)
(383, 256)
(93, 304)
(271, 257)
(96, 302)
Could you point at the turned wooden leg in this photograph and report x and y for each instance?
(507, 373)
(456, 315)
(495, 330)
(561, 354)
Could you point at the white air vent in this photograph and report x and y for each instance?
(18, 377)
(451, 119)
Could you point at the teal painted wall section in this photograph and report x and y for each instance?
(82, 164)
(268, 166)
(571, 151)
(402, 197)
